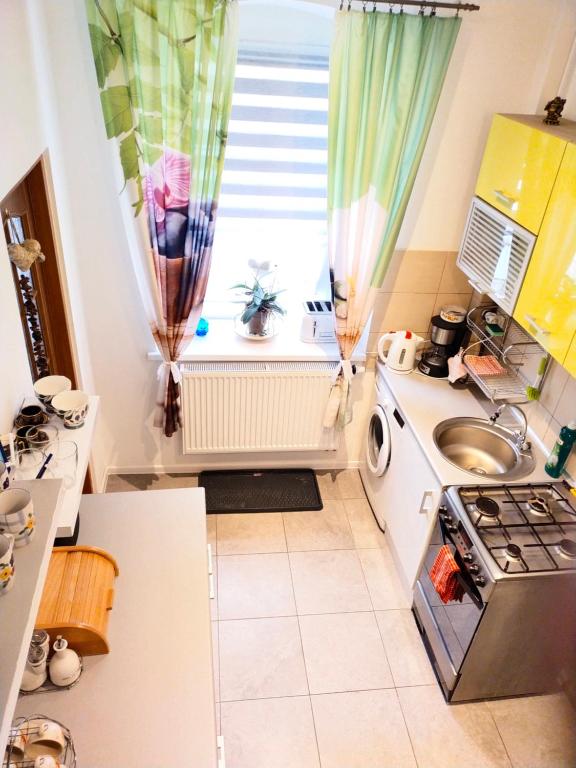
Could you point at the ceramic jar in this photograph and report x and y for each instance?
(6, 563)
(17, 515)
(65, 664)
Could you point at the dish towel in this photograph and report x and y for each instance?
(443, 576)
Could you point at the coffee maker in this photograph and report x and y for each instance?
(447, 331)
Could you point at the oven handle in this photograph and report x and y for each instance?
(468, 588)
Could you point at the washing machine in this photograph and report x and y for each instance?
(383, 429)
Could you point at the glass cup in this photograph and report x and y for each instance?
(43, 438)
(27, 463)
(64, 462)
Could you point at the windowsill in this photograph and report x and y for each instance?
(223, 343)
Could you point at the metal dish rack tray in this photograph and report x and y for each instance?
(512, 350)
(29, 726)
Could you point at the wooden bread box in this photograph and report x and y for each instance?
(78, 595)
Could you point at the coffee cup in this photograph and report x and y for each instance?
(47, 761)
(23, 435)
(49, 739)
(72, 407)
(17, 515)
(31, 415)
(6, 562)
(17, 746)
(4, 477)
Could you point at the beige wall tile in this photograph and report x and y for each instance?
(453, 279)
(420, 272)
(392, 271)
(553, 386)
(408, 311)
(565, 410)
(380, 309)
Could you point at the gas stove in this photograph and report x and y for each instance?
(525, 528)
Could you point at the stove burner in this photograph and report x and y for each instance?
(513, 553)
(567, 548)
(539, 506)
(487, 507)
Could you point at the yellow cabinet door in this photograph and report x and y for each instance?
(570, 362)
(519, 169)
(546, 307)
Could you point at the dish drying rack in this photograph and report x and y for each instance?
(30, 727)
(512, 349)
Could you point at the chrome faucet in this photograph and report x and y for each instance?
(520, 436)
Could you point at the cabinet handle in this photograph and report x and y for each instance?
(211, 581)
(221, 752)
(210, 565)
(424, 507)
(509, 202)
(535, 325)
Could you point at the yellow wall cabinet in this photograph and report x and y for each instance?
(546, 306)
(570, 362)
(519, 168)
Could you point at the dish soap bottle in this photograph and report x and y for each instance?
(562, 447)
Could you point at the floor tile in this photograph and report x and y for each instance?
(404, 648)
(211, 532)
(327, 485)
(349, 484)
(150, 481)
(269, 733)
(365, 530)
(327, 528)
(450, 736)
(255, 586)
(344, 652)
(261, 658)
(215, 599)
(538, 731)
(329, 582)
(384, 585)
(364, 729)
(250, 533)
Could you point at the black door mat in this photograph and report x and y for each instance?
(263, 490)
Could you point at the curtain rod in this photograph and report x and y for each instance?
(416, 3)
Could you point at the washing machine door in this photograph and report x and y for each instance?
(378, 444)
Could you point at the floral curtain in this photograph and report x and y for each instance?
(165, 69)
(386, 76)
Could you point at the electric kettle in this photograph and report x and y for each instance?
(398, 350)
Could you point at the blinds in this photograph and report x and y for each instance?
(276, 156)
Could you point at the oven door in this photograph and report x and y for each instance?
(448, 628)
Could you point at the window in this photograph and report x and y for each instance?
(273, 198)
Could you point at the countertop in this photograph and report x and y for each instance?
(424, 402)
(150, 701)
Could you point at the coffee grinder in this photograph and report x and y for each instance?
(447, 331)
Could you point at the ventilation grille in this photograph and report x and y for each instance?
(494, 254)
(298, 368)
(318, 307)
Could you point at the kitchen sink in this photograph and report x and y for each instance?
(482, 448)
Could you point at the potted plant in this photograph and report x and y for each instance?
(260, 301)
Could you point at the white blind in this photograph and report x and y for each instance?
(273, 197)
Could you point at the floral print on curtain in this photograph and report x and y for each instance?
(386, 76)
(165, 69)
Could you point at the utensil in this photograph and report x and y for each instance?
(398, 350)
(17, 515)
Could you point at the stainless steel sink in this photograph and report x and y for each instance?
(481, 448)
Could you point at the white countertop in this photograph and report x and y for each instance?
(424, 402)
(19, 607)
(150, 701)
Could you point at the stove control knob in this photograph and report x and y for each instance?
(474, 568)
(467, 557)
(480, 580)
(445, 515)
(452, 528)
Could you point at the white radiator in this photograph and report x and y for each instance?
(242, 407)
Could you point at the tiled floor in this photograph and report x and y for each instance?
(318, 662)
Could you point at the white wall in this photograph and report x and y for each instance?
(509, 57)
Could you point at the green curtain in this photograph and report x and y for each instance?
(386, 75)
(165, 69)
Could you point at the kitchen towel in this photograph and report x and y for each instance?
(444, 576)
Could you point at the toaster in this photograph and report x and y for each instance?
(318, 321)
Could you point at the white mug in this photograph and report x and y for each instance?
(47, 761)
(49, 740)
(6, 562)
(17, 515)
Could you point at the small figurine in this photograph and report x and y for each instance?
(554, 111)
